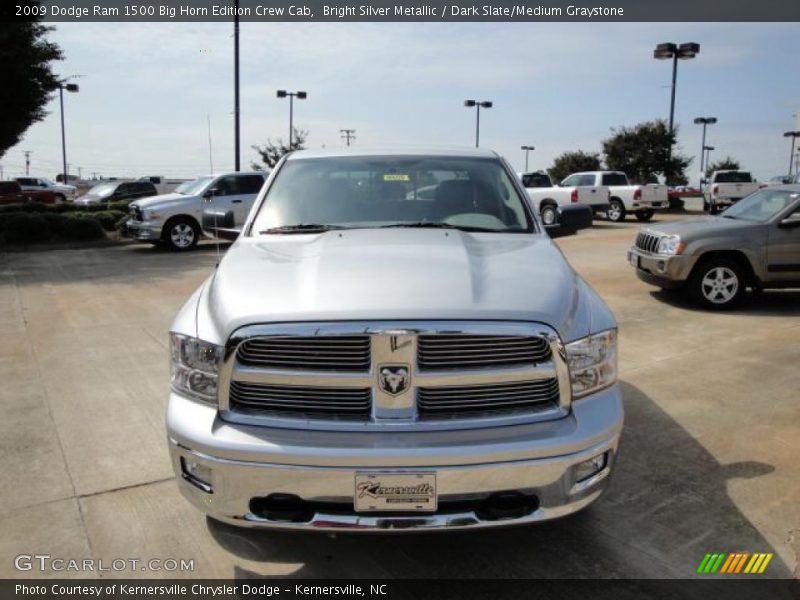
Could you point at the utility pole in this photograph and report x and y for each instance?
(27, 154)
(79, 173)
(348, 135)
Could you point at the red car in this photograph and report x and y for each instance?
(11, 193)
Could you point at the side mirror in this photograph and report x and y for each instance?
(210, 193)
(792, 220)
(571, 219)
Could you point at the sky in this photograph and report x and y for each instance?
(149, 90)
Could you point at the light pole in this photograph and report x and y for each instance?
(477, 104)
(793, 135)
(704, 121)
(70, 87)
(291, 95)
(236, 115)
(707, 150)
(674, 51)
(527, 149)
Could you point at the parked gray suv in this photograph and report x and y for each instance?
(755, 243)
(369, 358)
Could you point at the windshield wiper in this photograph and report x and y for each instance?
(438, 225)
(301, 228)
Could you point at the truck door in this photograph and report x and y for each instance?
(248, 187)
(783, 251)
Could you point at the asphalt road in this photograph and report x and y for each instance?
(708, 462)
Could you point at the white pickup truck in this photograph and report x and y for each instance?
(575, 189)
(726, 187)
(641, 200)
(174, 220)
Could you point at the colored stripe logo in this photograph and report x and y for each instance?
(734, 562)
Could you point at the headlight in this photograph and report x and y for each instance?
(195, 367)
(151, 215)
(592, 362)
(670, 244)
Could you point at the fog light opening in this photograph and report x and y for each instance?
(589, 468)
(197, 474)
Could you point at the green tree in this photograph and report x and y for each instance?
(27, 76)
(726, 164)
(272, 152)
(573, 162)
(641, 152)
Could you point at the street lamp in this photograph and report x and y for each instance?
(674, 51)
(793, 135)
(291, 95)
(704, 121)
(527, 149)
(707, 150)
(70, 87)
(478, 105)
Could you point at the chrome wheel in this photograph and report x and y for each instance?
(548, 215)
(182, 235)
(615, 211)
(719, 285)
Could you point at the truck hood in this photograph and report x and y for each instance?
(393, 274)
(701, 227)
(163, 199)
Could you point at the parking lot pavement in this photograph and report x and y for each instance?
(708, 460)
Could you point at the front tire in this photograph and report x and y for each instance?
(549, 214)
(181, 234)
(616, 211)
(644, 215)
(718, 284)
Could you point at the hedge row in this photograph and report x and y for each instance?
(65, 207)
(30, 227)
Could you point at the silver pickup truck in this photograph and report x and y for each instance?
(755, 243)
(367, 358)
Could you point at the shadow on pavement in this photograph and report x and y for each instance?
(770, 303)
(667, 507)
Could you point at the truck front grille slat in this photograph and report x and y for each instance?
(301, 401)
(326, 353)
(455, 401)
(647, 242)
(454, 351)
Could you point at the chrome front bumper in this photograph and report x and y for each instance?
(250, 462)
(143, 231)
(660, 269)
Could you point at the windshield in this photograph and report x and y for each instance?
(761, 206)
(733, 177)
(193, 188)
(387, 191)
(102, 190)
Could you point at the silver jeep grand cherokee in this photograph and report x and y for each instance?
(393, 343)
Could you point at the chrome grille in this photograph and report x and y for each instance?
(298, 401)
(461, 401)
(462, 351)
(332, 375)
(648, 242)
(313, 353)
(136, 213)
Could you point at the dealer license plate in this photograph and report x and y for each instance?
(395, 492)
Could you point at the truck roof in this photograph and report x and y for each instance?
(457, 151)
